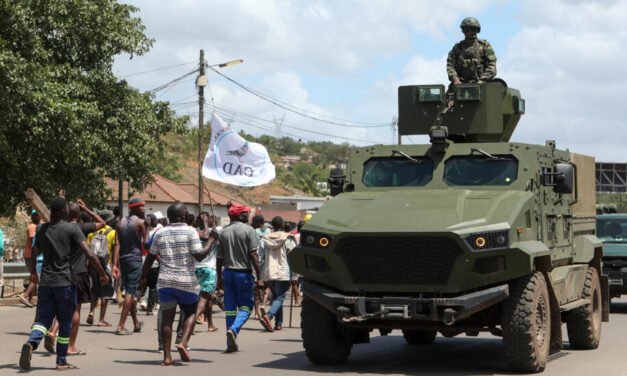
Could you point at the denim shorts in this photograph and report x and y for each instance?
(130, 276)
(206, 279)
(169, 297)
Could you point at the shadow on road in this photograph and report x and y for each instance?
(158, 362)
(23, 334)
(387, 355)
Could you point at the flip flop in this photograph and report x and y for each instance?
(139, 328)
(213, 329)
(90, 319)
(49, 344)
(165, 364)
(25, 356)
(24, 301)
(78, 353)
(65, 367)
(184, 353)
(123, 332)
(104, 323)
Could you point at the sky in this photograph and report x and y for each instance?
(331, 69)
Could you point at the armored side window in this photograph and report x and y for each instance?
(430, 94)
(468, 93)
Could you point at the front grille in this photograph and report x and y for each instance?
(394, 260)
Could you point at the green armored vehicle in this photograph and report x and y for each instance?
(612, 230)
(470, 233)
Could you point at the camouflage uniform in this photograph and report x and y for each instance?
(471, 61)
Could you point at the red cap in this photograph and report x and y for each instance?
(237, 209)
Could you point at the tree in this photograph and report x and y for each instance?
(66, 121)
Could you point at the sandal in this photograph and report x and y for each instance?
(123, 332)
(66, 366)
(49, 343)
(90, 319)
(184, 353)
(138, 328)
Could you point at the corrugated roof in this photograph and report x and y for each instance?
(166, 190)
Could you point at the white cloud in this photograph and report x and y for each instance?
(566, 58)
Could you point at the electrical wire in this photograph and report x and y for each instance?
(292, 109)
(248, 118)
(156, 70)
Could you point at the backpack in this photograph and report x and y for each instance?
(100, 244)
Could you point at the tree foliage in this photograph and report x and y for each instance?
(66, 121)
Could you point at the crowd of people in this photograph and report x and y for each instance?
(157, 263)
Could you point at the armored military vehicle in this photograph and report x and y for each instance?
(470, 233)
(612, 230)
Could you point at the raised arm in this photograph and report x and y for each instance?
(100, 223)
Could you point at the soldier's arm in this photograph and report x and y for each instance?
(490, 64)
(450, 65)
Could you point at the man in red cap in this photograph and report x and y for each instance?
(130, 236)
(237, 253)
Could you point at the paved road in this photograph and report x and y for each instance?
(281, 353)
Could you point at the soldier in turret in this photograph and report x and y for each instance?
(473, 59)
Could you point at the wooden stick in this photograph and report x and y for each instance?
(35, 201)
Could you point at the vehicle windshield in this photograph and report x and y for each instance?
(397, 172)
(481, 170)
(612, 230)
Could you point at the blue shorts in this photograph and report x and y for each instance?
(169, 298)
(130, 276)
(206, 279)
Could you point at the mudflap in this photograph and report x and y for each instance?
(605, 296)
(556, 318)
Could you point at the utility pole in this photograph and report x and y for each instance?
(201, 82)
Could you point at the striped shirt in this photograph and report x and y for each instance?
(175, 245)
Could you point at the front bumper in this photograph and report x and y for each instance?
(617, 277)
(448, 310)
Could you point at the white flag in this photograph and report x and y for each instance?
(233, 160)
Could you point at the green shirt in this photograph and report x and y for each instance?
(237, 240)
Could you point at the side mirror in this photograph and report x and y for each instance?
(336, 181)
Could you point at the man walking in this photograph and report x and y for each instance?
(80, 273)
(26, 296)
(127, 261)
(276, 271)
(237, 253)
(178, 248)
(101, 242)
(57, 295)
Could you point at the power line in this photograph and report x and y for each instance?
(295, 109)
(173, 82)
(156, 70)
(248, 117)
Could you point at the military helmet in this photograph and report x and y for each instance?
(470, 22)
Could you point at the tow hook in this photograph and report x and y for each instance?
(449, 316)
(365, 317)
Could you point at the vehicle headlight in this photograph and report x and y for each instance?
(481, 241)
(314, 240)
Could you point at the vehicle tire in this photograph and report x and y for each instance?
(323, 338)
(419, 337)
(584, 323)
(526, 324)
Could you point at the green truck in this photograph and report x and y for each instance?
(612, 230)
(469, 233)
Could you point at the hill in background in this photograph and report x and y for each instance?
(299, 166)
